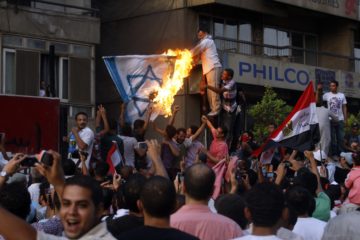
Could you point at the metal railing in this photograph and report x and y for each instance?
(56, 6)
(287, 53)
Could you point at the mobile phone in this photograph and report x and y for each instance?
(29, 161)
(180, 176)
(142, 145)
(270, 175)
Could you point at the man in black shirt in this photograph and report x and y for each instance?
(157, 202)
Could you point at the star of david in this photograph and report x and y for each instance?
(149, 75)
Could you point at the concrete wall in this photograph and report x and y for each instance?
(45, 24)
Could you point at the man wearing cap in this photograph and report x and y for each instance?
(352, 137)
(211, 67)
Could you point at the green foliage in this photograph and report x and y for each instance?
(270, 109)
(352, 118)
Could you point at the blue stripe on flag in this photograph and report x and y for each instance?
(111, 66)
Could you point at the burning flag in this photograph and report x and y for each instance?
(142, 79)
(300, 129)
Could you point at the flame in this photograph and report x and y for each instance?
(172, 83)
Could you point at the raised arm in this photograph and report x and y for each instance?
(159, 130)
(14, 228)
(310, 155)
(208, 123)
(174, 113)
(82, 145)
(101, 114)
(154, 154)
(199, 131)
(122, 114)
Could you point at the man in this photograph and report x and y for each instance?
(228, 92)
(264, 208)
(82, 137)
(107, 141)
(211, 67)
(336, 103)
(157, 201)
(80, 212)
(195, 216)
(131, 146)
(218, 148)
(343, 226)
(301, 200)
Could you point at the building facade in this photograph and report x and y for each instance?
(280, 43)
(51, 45)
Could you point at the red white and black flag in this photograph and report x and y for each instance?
(300, 130)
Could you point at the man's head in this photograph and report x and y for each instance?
(132, 189)
(101, 169)
(69, 167)
(81, 205)
(158, 197)
(354, 128)
(306, 179)
(15, 198)
(81, 119)
(271, 127)
(301, 201)
(264, 205)
(227, 74)
(181, 135)
(221, 132)
(232, 206)
(170, 131)
(199, 182)
(191, 130)
(202, 32)
(126, 130)
(333, 86)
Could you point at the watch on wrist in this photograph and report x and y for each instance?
(4, 174)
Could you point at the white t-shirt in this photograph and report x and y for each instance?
(309, 228)
(209, 55)
(130, 143)
(335, 101)
(87, 135)
(253, 237)
(34, 190)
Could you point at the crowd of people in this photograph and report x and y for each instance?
(180, 188)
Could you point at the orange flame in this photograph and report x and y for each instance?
(173, 83)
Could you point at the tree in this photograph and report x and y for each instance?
(270, 109)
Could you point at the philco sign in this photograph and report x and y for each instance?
(282, 74)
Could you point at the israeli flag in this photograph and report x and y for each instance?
(136, 77)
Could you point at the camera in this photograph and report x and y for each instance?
(29, 161)
(142, 145)
(44, 157)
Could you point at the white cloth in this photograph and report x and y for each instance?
(253, 237)
(323, 115)
(335, 103)
(130, 143)
(309, 228)
(345, 226)
(96, 233)
(284, 233)
(208, 54)
(34, 190)
(87, 135)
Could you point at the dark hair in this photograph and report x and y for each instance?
(101, 169)
(334, 193)
(224, 129)
(230, 72)
(69, 167)
(126, 130)
(194, 129)
(335, 82)
(81, 113)
(88, 183)
(292, 216)
(306, 179)
(131, 191)
(170, 131)
(158, 197)
(179, 130)
(265, 202)
(356, 158)
(139, 123)
(204, 28)
(15, 198)
(300, 200)
(232, 206)
(199, 181)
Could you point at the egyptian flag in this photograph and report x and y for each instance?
(300, 130)
(114, 157)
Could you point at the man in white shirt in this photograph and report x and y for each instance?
(211, 67)
(84, 136)
(336, 103)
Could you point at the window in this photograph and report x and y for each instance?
(230, 35)
(64, 78)
(9, 66)
(299, 47)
